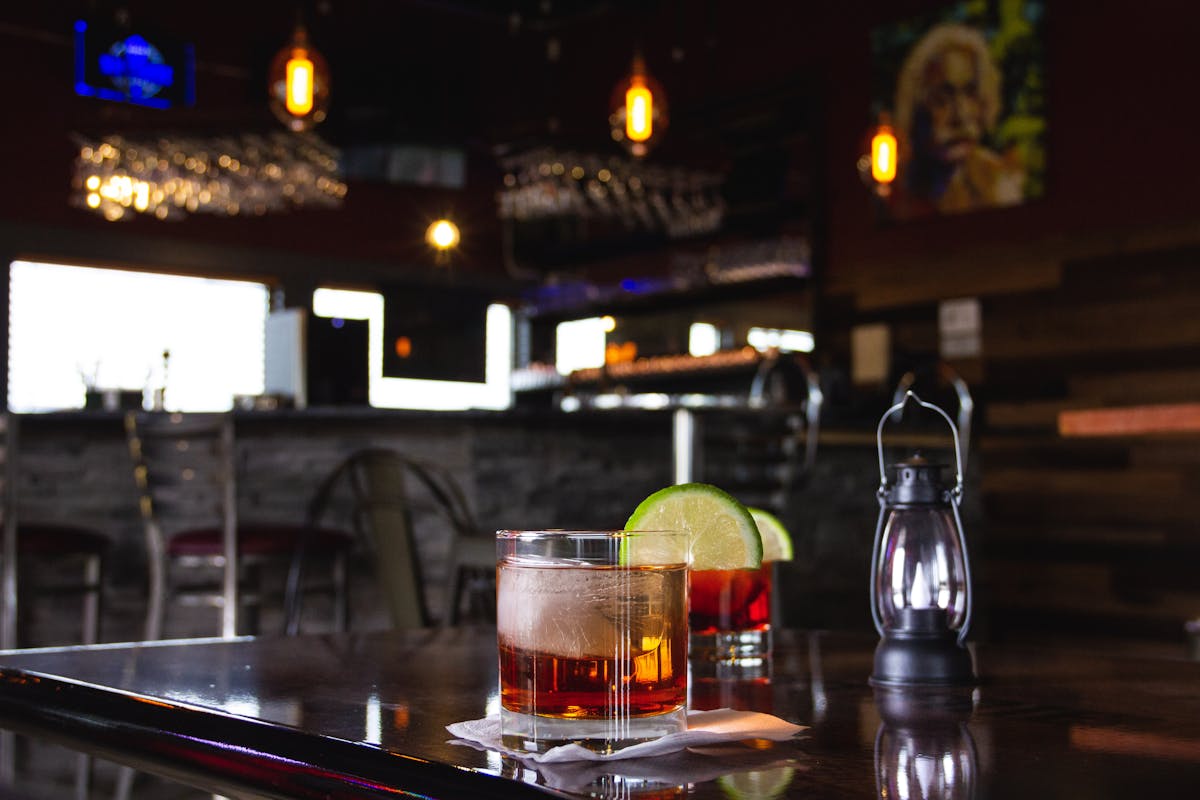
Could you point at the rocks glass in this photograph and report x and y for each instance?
(593, 637)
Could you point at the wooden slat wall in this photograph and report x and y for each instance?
(1086, 535)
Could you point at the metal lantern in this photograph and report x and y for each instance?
(920, 572)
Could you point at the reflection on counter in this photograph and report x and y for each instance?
(741, 685)
(923, 749)
(744, 773)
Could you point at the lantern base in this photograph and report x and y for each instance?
(922, 660)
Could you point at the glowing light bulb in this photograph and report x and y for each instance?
(883, 155)
(299, 83)
(442, 234)
(639, 111)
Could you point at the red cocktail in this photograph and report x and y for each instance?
(730, 612)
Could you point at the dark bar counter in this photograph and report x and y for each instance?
(520, 468)
(364, 715)
(76, 463)
(517, 469)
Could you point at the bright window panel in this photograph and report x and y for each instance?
(412, 393)
(72, 327)
(579, 344)
(704, 339)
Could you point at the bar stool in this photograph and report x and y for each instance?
(26, 543)
(184, 472)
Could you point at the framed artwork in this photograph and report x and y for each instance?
(964, 89)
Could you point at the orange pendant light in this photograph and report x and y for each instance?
(638, 110)
(298, 83)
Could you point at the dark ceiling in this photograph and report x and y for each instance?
(493, 75)
(492, 78)
(498, 77)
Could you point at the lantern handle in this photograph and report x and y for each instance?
(957, 491)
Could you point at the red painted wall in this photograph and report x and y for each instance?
(1121, 116)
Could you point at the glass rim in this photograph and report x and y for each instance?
(583, 533)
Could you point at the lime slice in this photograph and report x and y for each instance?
(757, 784)
(723, 534)
(777, 542)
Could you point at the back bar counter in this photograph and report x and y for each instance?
(1057, 556)
(517, 470)
(523, 468)
(76, 463)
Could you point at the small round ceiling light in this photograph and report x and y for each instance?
(442, 235)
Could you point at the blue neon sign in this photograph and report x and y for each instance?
(129, 68)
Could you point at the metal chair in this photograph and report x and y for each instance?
(48, 542)
(791, 381)
(764, 452)
(381, 510)
(470, 591)
(184, 471)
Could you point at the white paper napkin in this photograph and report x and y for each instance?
(703, 728)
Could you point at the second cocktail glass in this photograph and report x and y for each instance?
(592, 629)
(730, 614)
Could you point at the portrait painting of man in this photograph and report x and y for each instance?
(965, 92)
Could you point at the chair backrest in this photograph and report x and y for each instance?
(790, 380)
(787, 398)
(382, 517)
(184, 472)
